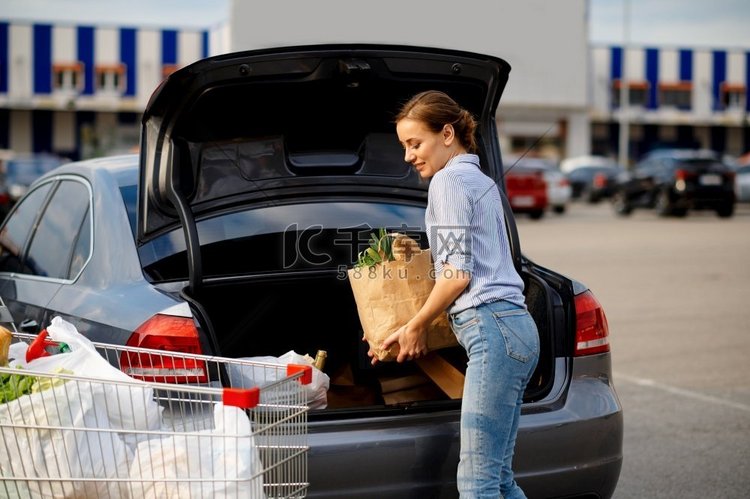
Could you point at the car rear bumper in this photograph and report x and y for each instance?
(570, 445)
(703, 198)
(577, 448)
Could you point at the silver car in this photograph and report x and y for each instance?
(260, 178)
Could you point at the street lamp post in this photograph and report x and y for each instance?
(624, 138)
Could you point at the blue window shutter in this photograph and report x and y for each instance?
(4, 58)
(615, 70)
(86, 56)
(42, 58)
(128, 58)
(652, 75)
(719, 77)
(169, 47)
(686, 65)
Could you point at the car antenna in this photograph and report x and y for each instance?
(528, 149)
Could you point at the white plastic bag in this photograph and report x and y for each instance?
(247, 376)
(224, 462)
(128, 407)
(60, 454)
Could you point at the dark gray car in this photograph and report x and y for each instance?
(260, 178)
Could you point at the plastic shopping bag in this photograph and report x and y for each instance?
(60, 434)
(128, 407)
(223, 462)
(247, 376)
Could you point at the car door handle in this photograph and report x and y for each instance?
(29, 325)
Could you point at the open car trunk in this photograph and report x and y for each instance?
(307, 313)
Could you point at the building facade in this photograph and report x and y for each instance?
(676, 96)
(79, 91)
(545, 106)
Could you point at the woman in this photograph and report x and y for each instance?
(477, 284)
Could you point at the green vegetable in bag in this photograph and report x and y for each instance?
(13, 386)
(380, 250)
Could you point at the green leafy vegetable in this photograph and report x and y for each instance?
(13, 386)
(380, 250)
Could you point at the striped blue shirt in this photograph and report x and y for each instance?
(466, 228)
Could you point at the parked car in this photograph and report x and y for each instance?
(593, 183)
(559, 192)
(673, 181)
(527, 190)
(18, 172)
(261, 177)
(742, 183)
(558, 188)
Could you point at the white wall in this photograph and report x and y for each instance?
(149, 64)
(600, 91)
(189, 47)
(64, 40)
(736, 67)
(107, 46)
(545, 42)
(702, 84)
(669, 66)
(20, 83)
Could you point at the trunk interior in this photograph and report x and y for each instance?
(307, 313)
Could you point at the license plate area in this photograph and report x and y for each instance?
(522, 201)
(709, 179)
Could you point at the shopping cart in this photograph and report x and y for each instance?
(182, 425)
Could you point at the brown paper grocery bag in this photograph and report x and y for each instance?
(390, 293)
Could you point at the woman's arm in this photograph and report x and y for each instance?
(412, 337)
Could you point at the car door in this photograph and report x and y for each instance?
(643, 180)
(41, 248)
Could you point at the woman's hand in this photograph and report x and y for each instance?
(411, 339)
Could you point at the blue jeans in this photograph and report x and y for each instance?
(502, 343)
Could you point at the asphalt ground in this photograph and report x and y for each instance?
(676, 292)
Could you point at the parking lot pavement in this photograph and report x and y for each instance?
(676, 292)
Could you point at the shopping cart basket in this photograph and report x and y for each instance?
(182, 425)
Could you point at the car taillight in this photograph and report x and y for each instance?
(592, 331)
(174, 335)
(600, 180)
(684, 174)
(540, 180)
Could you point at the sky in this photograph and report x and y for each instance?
(711, 23)
(708, 23)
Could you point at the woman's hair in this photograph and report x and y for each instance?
(436, 109)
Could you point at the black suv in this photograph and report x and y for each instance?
(673, 181)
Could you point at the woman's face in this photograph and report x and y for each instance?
(426, 150)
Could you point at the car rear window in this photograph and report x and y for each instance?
(700, 165)
(280, 238)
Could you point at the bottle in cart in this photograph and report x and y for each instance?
(320, 359)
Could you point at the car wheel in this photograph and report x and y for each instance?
(559, 209)
(537, 214)
(621, 205)
(663, 205)
(725, 211)
(679, 212)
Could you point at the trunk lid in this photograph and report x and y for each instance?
(265, 126)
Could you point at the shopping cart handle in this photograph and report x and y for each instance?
(306, 371)
(37, 347)
(241, 397)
